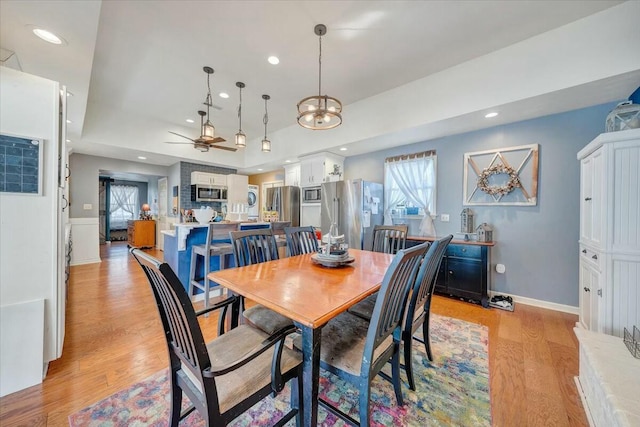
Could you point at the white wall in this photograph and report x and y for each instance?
(28, 226)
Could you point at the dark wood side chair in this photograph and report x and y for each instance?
(227, 376)
(419, 305)
(301, 240)
(356, 350)
(253, 247)
(389, 238)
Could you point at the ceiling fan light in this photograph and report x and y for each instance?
(266, 145)
(241, 139)
(308, 117)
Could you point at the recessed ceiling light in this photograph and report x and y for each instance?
(287, 161)
(492, 114)
(47, 36)
(68, 121)
(273, 60)
(69, 93)
(189, 121)
(142, 157)
(259, 170)
(68, 140)
(224, 95)
(343, 149)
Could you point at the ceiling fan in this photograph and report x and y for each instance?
(202, 143)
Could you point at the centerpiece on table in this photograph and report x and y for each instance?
(333, 252)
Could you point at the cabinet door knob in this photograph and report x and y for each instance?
(587, 289)
(587, 199)
(595, 257)
(584, 251)
(600, 292)
(451, 272)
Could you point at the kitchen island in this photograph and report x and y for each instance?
(179, 241)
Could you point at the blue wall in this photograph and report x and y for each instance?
(537, 244)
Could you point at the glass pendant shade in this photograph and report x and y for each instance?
(266, 145)
(319, 112)
(208, 131)
(241, 139)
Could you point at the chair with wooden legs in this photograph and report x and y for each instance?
(356, 350)
(389, 238)
(253, 247)
(301, 240)
(224, 377)
(210, 248)
(419, 304)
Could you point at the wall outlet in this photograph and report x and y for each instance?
(444, 217)
(87, 206)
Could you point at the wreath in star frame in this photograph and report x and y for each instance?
(499, 190)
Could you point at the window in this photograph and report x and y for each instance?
(123, 205)
(410, 182)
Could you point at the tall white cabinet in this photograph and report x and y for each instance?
(610, 232)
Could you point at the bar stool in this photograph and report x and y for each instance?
(206, 251)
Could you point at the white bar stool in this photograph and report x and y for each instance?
(206, 251)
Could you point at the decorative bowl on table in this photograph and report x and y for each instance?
(334, 252)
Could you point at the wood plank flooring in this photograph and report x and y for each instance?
(114, 339)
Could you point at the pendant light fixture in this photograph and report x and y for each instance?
(208, 131)
(241, 138)
(319, 111)
(266, 144)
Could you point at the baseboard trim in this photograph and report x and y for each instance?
(85, 261)
(540, 303)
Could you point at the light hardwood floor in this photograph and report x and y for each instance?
(114, 338)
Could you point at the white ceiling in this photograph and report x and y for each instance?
(135, 67)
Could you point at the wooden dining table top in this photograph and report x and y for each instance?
(303, 291)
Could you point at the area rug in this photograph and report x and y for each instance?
(453, 390)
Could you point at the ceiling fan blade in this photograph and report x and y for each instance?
(220, 147)
(174, 142)
(182, 136)
(216, 140)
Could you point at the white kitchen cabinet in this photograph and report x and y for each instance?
(292, 174)
(320, 168)
(205, 178)
(610, 232)
(237, 189)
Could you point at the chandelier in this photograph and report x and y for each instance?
(319, 111)
(208, 131)
(266, 144)
(241, 138)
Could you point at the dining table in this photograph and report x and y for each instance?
(311, 295)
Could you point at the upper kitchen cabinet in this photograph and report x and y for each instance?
(204, 178)
(237, 188)
(320, 168)
(292, 174)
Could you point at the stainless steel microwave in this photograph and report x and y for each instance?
(208, 193)
(312, 194)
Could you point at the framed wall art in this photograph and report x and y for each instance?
(506, 176)
(21, 164)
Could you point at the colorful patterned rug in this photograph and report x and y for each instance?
(453, 390)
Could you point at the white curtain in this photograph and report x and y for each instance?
(123, 205)
(415, 177)
(392, 195)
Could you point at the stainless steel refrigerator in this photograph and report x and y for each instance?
(355, 206)
(285, 201)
